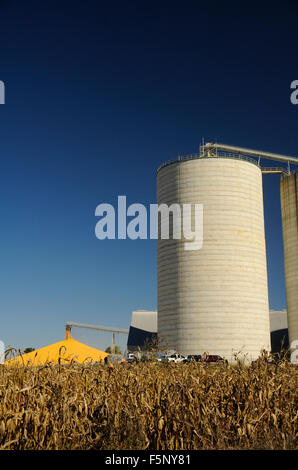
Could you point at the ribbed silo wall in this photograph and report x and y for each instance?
(215, 299)
(289, 211)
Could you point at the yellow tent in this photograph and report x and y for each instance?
(66, 350)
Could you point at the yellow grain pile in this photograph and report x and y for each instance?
(63, 351)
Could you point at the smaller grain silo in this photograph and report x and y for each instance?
(289, 210)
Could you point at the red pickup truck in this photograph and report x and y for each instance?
(214, 359)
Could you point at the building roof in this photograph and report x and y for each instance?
(278, 319)
(144, 320)
(143, 330)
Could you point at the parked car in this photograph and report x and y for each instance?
(162, 356)
(214, 359)
(175, 358)
(193, 358)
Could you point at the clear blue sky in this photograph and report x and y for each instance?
(98, 94)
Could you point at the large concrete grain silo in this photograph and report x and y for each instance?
(215, 299)
(289, 209)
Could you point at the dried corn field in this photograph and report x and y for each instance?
(149, 406)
